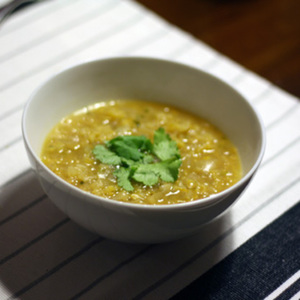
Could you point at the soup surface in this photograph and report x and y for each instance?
(209, 161)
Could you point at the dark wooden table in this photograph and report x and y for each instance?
(261, 35)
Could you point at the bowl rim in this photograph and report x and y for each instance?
(87, 196)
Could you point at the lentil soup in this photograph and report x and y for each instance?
(210, 162)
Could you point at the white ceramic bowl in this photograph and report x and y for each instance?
(141, 79)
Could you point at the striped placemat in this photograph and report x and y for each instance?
(251, 252)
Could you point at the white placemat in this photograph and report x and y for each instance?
(44, 255)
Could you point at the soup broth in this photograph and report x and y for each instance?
(210, 162)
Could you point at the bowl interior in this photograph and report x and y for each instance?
(145, 79)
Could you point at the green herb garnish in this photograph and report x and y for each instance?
(135, 157)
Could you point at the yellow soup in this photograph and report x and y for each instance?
(210, 162)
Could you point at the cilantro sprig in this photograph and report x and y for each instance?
(137, 158)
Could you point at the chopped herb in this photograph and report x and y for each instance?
(123, 177)
(106, 156)
(135, 157)
(149, 174)
(131, 147)
(164, 147)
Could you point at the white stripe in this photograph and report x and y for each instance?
(296, 296)
(284, 287)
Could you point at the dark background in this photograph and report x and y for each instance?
(261, 35)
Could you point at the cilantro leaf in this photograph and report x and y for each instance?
(168, 169)
(130, 147)
(149, 174)
(128, 162)
(123, 178)
(138, 159)
(164, 147)
(106, 156)
(146, 174)
(148, 159)
(126, 151)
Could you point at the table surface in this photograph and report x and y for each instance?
(261, 35)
